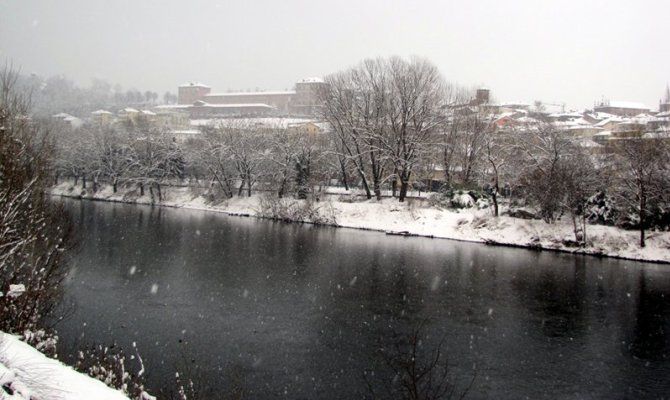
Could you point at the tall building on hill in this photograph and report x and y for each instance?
(664, 105)
(190, 92)
(621, 108)
(304, 100)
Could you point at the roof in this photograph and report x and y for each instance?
(100, 112)
(260, 121)
(62, 115)
(311, 80)
(238, 105)
(194, 84)
(624, 104)
(609, 120)
(276, 93)
(172, 106)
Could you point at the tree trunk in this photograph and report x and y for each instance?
(494, 197)
(160, 194)
(241, 188)
(248, 187)
(404, 184)
(83, 181)
(403, 190)
(115, 184)
(343, 170)
(366, 187)
(643, 201)
(377, 189)
(280, 192)
(141, 189)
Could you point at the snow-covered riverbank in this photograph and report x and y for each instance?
(415, 218)
(28, 374)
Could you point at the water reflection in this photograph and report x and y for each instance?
(298, 311)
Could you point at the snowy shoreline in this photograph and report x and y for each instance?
(411, 219)
(32, 375)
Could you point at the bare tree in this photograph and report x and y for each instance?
(642, 171)
(498, 149)
(114, 154)
(156, 158)
(212, 154)
(385, 113)
(247, 144)
(579, 180)
(417, 370)
(542, 153)
(347, 107)
(416, 99)
(33, 231)
(470, 143)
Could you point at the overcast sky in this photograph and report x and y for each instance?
(558, 51)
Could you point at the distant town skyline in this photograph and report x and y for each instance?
(572, 52)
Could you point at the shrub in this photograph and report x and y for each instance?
(601, 209)
(291, 210)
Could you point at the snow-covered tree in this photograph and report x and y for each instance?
(642, 172)
(33, 231)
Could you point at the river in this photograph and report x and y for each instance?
(298, 311)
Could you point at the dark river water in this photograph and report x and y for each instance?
(295, 311)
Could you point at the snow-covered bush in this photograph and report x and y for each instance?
(462, 199)
(43, 340)
(458, 198)
(658, 218)
(110, 365)
(601, 209)
(291, 210)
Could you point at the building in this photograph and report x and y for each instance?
(188, 93)
(68, 120)
(102, 117)
(664, 105)
(621, 108)
(203, 110)
(304, 100)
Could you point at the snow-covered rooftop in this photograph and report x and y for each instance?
(266, 121)
(100, 112)
(237, 105)
(625, 104)
(194, 84)
(272, 93)
(171, 106)
(312, 80)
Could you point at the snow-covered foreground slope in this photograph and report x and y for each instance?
(29, 374)
(418, 219)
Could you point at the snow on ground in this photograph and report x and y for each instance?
(29, 374)
(417, 218)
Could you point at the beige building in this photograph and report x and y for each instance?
(622, 108)
(304, 100)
